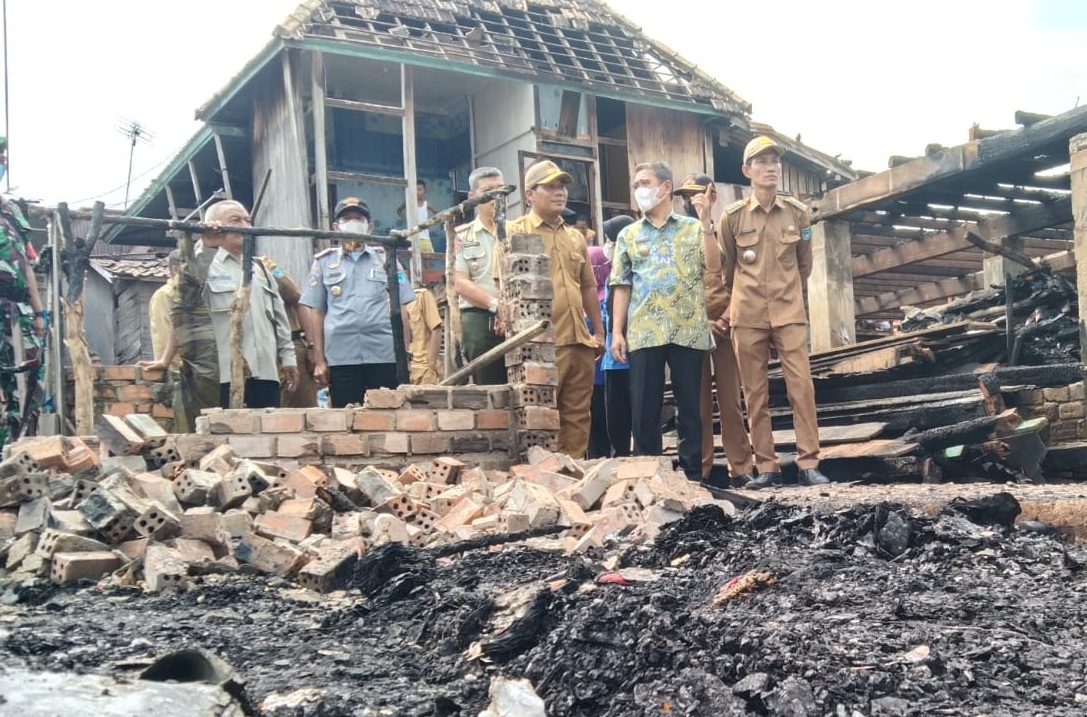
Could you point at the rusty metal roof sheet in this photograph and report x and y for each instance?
(581, 41)
(142, 268)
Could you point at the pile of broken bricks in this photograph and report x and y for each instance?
(72, 512)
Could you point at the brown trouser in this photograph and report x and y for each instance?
(574, 395)
(752, 352)
(726, 377)
(304, 394)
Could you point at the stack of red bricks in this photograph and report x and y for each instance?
(418, 422)
(527, 293)
(121, 390)
(68, 514)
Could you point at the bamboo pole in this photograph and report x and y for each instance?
(497, 352)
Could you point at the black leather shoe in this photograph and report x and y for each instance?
(764, 480)
(741, 481)
(811, 476)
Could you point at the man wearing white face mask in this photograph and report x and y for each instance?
(349, 321)
(660, 315)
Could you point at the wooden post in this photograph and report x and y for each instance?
(1077, 150)
(995, 268)
(452, 326)
(320, 141)
(830, 287)
(76, 338)
(407, 101)
(221, 153)
(196, 188)
(171, 203)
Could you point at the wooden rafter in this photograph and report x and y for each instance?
(946, 288)
(1025, 221)
(947, 163)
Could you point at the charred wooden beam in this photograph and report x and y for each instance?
(973, 430)
(961, 161)
(925, 294)
(1028, 119)
(1015, 224)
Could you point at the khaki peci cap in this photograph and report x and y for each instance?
(761, 144)
(350, 203)
(545, 172)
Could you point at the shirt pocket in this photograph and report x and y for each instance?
(475, 256)
(221, 294)
(747, 239)
(335, 285)
(787, 246)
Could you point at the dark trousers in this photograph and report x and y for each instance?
(617, 400)
(647, 396)
(259, 393)
(478, 337)
(599, 442)
(349, 384)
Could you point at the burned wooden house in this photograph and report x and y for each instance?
(365, 97)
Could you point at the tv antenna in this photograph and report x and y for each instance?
(136, 133)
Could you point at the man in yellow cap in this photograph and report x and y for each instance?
(575, 296)
(766, 240)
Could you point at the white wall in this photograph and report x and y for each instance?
(503, 117)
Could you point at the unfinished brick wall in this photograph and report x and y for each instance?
(121, 390)
(393, 427)
(1065, 407)
(530, 370)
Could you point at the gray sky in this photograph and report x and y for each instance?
(860, 78)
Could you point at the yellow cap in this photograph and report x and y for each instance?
(545, 172)
(761, 144)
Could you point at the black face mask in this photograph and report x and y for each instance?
(691, 211)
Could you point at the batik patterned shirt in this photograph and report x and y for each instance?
(664, 268)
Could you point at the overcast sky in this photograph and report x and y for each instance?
(858, 78)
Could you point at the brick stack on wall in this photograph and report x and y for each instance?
(393, 427)
(123, 390)
(526, 295)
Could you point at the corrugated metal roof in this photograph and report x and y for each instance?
(582, 41)
(142, 267)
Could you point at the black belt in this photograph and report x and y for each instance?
(298, 335)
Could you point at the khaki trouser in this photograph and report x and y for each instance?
(304, 394)
(726, 377)
(420, 374)
(574, 396)
(752, 352)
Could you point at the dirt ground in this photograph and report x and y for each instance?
(856, 611)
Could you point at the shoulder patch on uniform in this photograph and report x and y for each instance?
(796, 203)
(463, 228)
(325, 252)
(735, 206)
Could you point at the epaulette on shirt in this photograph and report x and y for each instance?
(735, 206)
(795, 202)
(462, 228)
(325, 252)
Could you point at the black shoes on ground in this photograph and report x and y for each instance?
(811, 476)
(807, 476)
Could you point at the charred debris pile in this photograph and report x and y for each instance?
(781, 611)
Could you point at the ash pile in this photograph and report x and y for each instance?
(781, 611)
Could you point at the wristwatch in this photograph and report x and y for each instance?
(493, 306)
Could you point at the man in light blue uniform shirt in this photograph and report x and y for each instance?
(349, 322)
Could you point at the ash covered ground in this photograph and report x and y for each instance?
(875, 611)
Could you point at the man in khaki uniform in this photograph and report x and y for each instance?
(304, 391)
(720, 367)
(766, 240)
(574, 285)
(426, 336)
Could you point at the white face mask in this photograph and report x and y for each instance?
(354, 226)
(646, 198)
(609, 250)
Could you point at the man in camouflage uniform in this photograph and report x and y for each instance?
(22, 316)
